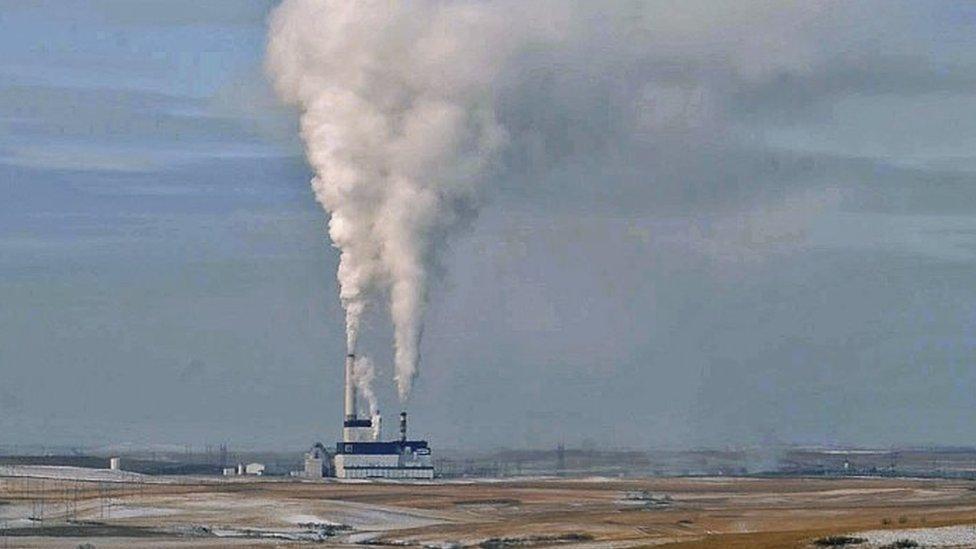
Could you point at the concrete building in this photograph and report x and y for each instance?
(408, 459)
(254, 469)
(362, 455)
(315, 461)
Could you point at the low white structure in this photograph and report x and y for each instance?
(254, 469)
(115, 463)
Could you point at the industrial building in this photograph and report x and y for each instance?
(316, 462)
(361, 455)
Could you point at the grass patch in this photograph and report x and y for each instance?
(503, 543)
(82, 531)
(499, 501)
(901, 544)
(838, 541)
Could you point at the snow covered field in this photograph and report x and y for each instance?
(57, 472)
(948, 536)
(102, 507)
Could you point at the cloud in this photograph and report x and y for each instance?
(128, 159)
(781, 227)
(194, 371)
(184, 12)
(135, 131)
(798, 96)
(146, 85)
(943, 238)
(149, 12)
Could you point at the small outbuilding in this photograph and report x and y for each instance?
(254, 469)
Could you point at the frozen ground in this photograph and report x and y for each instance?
(69, 473)
(307, 519)
(271, 512)
(128, 511)
(948, 536)
(585, 513)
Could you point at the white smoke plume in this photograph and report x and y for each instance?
(405, 106)
(363, 374)
(398, 143)
(377, 421)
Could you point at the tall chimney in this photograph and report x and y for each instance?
(403, 426)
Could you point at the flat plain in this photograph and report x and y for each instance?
(138, 511)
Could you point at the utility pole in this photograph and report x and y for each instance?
(560, 459)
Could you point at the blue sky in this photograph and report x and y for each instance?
(795, 265)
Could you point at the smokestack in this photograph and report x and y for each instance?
(403, 426)
(350, 388)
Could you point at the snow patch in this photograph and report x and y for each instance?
(947, 536)
(58, 472)
(122, 512)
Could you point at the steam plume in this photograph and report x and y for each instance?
(398, 143)
(405, 105)
(363, 373)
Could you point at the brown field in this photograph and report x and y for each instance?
(704, 512)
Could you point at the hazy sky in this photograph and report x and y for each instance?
(750, 223)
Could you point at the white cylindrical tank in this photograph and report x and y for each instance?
(115, 463)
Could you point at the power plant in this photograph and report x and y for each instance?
(362, 455)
